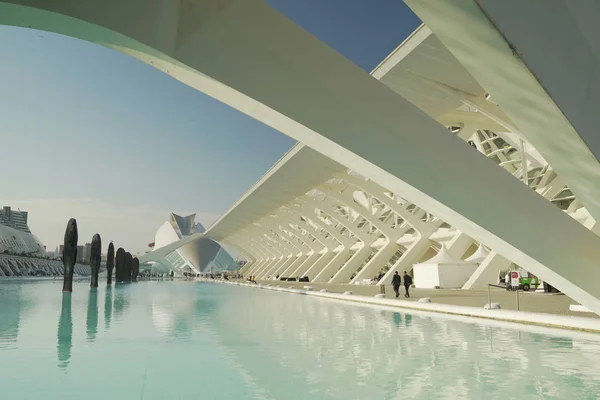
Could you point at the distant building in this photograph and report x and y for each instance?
(197, 256)
(87, 251)
(15, 235)
(80, 253)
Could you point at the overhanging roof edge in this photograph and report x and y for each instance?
(398, 54)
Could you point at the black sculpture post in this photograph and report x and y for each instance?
(110, 263)
(135, 269)
(128, 267)
(119, 265)
(69, 255)
(95, 255)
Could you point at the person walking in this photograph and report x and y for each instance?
(396, 283)
(407, 282)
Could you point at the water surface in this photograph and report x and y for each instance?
(185, 340)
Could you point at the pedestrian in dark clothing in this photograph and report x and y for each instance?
(407, 282)
(396, 283)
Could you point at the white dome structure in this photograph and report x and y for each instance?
(180, 246)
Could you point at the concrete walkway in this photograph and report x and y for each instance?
(557, 304)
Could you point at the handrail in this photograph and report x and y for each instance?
(502, 287)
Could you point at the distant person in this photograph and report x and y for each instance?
(407, 282)
(396, 283)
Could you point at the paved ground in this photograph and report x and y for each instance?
(528, 301)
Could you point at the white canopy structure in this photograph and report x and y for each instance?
(443, 271)
(526, 187)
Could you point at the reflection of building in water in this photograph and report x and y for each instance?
(108, 304)
(91, 321)
(176, 317)
(385, 354)
(65, 332)
(121, 300)
(11, 306)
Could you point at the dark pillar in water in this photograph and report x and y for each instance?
(135, 269)
(95, 255)
(110, 263)
(128, 267)
(69, 255)
(119, 265)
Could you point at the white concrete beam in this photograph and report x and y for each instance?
(356, 121)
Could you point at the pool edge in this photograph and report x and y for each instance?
(581, 324)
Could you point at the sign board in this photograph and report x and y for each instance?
(514, 279)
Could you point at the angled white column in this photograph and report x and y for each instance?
(294, 259)
(345, 198)
(319, 272)
(270, 249)
(377, 262)
(301, 248)
(318, 265)
(250, 256)
(383, 255)
(416, 250)
(308, 209)
(327, 273)
(311, 256)
(320, 255)
(487, 272)
(356, 120)
(341, 260)
(378, 191)
(410, 257)
(265, 273)
(262, 235)
(458, 245)
(292, 248)
(358, 258)
(260, 255)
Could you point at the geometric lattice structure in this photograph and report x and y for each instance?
(467, 134)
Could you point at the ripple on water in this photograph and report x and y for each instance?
(157, 340)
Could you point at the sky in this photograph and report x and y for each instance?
(89, 133)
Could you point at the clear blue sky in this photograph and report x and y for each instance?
(84, 128)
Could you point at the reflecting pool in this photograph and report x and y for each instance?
(186, 340)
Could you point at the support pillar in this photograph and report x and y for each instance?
(411, 256)
(377, 262)
(265, 272)
(309, 262)
(333, 266)
(316, 268)
(487, 272)
(344, 274)
(266, 269)
(272, 272)
(291, 267)
(458, 245)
